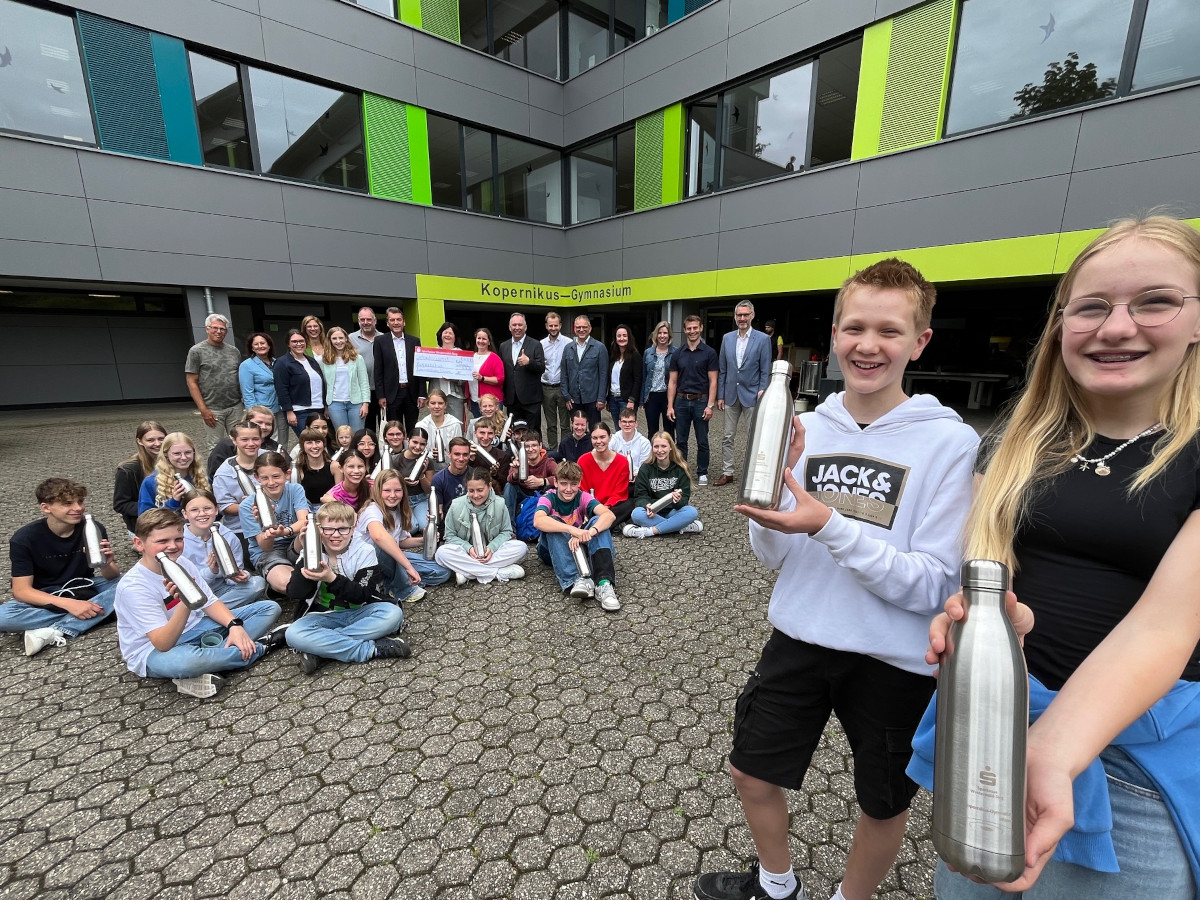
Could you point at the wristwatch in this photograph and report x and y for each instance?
(235, 623)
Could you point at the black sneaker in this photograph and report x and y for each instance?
(392, 648)
(310, 662)
(274, 639)
(738, 886)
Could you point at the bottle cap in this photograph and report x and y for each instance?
(781, 367)
(985, 574)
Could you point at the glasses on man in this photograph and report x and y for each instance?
(1148, 309)
(331, 530)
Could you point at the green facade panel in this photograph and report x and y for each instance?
(648, 161)
(440, 17)
(397, 146)
(918, 68)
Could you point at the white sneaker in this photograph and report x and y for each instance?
(460, 579)
(38, 638)
(511, 573)
(583, 589)
(703, 480)
(692, 527)
(202, 686)
(607, 596)
(636, 531)
(417, 594)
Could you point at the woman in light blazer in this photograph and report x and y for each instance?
(347, 392)
(256, 377)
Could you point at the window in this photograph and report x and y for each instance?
(525, 32)
(221, 113)
(587, 35)
(625, 163)
(1167, 53)
(42, 89)
(702, 146)
(477, 147)
(445, 161)
(308, 131)
(529, 180)
(601, 177)
(382, 6)
(765, 127)
(836, 98)
(1018, 58)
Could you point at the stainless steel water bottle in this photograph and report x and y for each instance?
(430, 545)
(662, 503)
(224, 553)
(189, 591)
(311, 545)
(628, 452)
(766, 447)
(582, 561)
(522, 463)
(507, 427)
(385, 457)
(266, 512)
(480, 453)
(91, 541)
(478, 544)
(982, 723)
(245, 482)
(420, 464)
(296, 470)
(187, 486)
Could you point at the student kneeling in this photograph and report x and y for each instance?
(569, 518)
(349, 614)
(161, 638)
(501, 552)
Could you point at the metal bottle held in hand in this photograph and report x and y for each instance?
(522, 463)
(507, 427)
(429, 547)
(982, 724)
(662, 503)
(582, 562)
(266, 512)
(91, 541)
(311, 545)
(478, 544)
(480, 453)
(245, 482)
(189, 591)
(766, 447)
(224, 553)
(187, 486)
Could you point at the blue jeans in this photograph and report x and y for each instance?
(1151, 855)
(553, 549)
(420, 511)
(18, 616)
(347, 635)
(656, 414)
(691, 413)
(615, 408)
(236, 596)
(343, 412)
(667, 521)
(187, 658)
(513, 495)
(399, 585)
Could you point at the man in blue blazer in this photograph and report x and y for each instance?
(745, 369)
(585, 371)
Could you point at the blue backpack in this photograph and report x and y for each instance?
(524, 522)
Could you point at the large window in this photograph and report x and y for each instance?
(42, 90)
(836, 97)
(702, 146)
(308, 131)
(524, 32)
(1017, 58)
(1170, 44)
(529, 180)
(588, 24)
(601, 178)
(383, 6)
(221, 113)
(479, 170)
(445, 161)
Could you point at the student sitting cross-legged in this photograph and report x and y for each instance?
(501, 552)
(569, 517)
(665, 473)
(274, 549)
(349, 615)
(201, 514)
(539, 473)
(387, 525)
(56, 594)
(161, 638)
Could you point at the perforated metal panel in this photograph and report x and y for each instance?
(119, 61)
(916, 76)
(389, 167)
(440, 17)
(693, 5)
(648, 161)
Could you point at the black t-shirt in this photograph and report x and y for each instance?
(317, 483)
(1088, 550)
(54, 562)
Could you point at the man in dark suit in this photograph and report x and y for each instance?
(400, 392)
(585, 371)
(524, 363)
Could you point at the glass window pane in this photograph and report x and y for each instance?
(445, 163)
(1170, 39)
(308, 131)
(530, 180)
(480, 194)
(765, 127)
(702, 146)
(625, 164)
(587, 36)
(1022, 57)
(383, 6)
(221, 112)
(473, 24)
(837, 95)
(526, 33)
(42, 90)
(592, 182)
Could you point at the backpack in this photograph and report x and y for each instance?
(523, 526)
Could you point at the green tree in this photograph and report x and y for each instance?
(1064, 84)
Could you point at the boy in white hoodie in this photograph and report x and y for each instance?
(867, 541)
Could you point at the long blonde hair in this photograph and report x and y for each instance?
(166, 472)
(675, 456)
(1049, 423)
(330, 355)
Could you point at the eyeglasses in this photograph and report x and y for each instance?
(331, 530)
(1149, 309)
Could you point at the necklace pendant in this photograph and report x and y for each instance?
(1102, 470)
(1084, 467)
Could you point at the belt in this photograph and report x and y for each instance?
(694, 396)
(551, 383)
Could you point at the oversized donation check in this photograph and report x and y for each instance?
(434, 362)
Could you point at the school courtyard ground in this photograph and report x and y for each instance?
(533, 747)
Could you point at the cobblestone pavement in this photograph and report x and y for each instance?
(533, 747)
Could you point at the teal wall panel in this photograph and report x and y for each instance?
(175, 94)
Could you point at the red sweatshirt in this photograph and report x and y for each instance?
(609, 485)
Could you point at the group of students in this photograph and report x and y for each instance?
(1088, 489)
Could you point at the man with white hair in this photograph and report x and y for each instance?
(212, 379)
(364, 342)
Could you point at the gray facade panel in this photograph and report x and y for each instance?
(595, 237)
(480, 262)
(1147, 128)
(1098, 196)
(818, 237)
(551, 270)
(44, 218)
(455, 99)
(145, 381)
(355, 282)
(150, 267)
(353, 26)
(128, 179)
(885, 8)
(550, 242)
(692, 254)
(776, 38)
(683, 79)
(34, 166)
(206, 22)
(34, 259)
(668, 223)
(813, 194)
(352, 250)
(62, 382)
(705, 28)
(485, 232)
(470, 67)
(1036, 150)
(599, 81)
(546, 127)
(607, 112)
(545, 94)
(353, 212)
(745, 14)
(132, 227)
(1012, 210)
(598, 267)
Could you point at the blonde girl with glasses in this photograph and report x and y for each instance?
(176, 459)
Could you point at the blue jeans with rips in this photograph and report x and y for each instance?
(553, 548)
(347, 635)
(187, 658)
(689, 413)
(18, 616)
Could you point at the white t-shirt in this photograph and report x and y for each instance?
(374, 514)
(141, 605)
(614, 378)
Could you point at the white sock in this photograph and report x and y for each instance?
(839, 895)
(778, 886)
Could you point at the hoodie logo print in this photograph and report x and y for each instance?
(858, 487)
